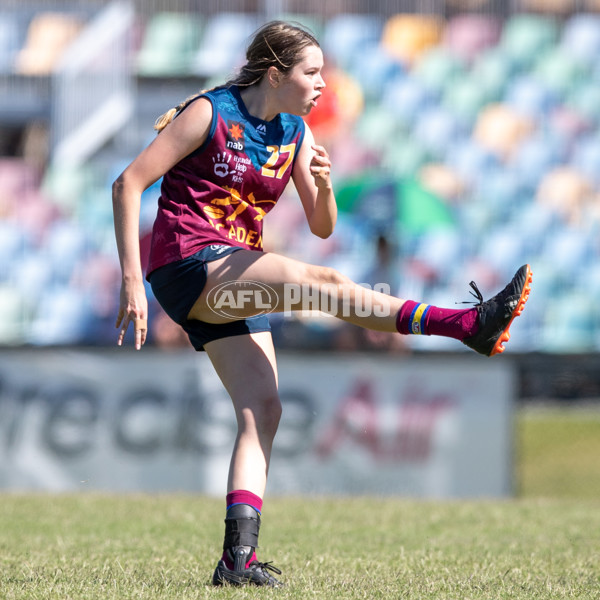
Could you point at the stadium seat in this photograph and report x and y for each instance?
(405, 156)
(586, 157)
(581, 37)
(223, 45)
(531, 97)
(568, 250)
(437, 70)
(375, 69)
(502, 248)
(443, 181)
(438, 130)
(565, 191)
(534, 158)
(472, 161)
(468, 35)
(376, 127)
(500, 193)
(407, 37)
(568, 125)
(465, 98)
(405, 97)
(439, 249)
(168, 45)
(48, 36)
(560, 70)
(346, 36)
(585, 99)
(542, 224)
(500, 129)
(527, 36)
(492, 70)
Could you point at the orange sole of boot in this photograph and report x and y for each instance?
(505, 335)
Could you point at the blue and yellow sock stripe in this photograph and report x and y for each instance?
(417, 319)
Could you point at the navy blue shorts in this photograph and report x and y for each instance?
(178, 285)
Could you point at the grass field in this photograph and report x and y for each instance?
(93, 546)
(557, 452)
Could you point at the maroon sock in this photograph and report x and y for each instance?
(244, 497)
(241, 497)
(426, 319)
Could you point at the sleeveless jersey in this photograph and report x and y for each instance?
(220, 193)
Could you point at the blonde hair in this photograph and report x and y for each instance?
(276, 44)
(167, 117)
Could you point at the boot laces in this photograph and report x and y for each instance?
(476, 294)
(267, 566)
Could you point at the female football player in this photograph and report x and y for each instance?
(226, 156)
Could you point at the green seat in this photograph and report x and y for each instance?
(559, 70)
(527, 36)
(585, 99)
(465, 98)
(405, 157)
(169, 44)
(437, 68)
(376, 123)
(492, 71)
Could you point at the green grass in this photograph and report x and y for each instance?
(93, 546)
(545, 544)
(558, 451)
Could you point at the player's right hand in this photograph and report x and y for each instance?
(133, 308)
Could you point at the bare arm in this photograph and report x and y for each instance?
(181, 137)
(312, 178)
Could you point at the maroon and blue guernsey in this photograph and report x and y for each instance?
(221, 192)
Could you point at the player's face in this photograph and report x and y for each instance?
(303, 84)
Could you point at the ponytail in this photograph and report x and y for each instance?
(164, 119)
(167, 117)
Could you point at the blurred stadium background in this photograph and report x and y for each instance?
(465, 137)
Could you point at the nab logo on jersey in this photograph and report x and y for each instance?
(235, 136)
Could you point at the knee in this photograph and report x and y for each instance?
(271, 414)
(328, 275)
(263, 416)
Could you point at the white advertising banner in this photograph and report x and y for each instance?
(122, 420)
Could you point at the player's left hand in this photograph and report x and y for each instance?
(320, 167)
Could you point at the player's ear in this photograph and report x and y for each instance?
(274, 76)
